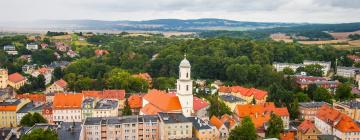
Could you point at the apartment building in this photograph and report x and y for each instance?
(174, 126)
(307, 110)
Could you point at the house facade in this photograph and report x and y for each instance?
(67, 107)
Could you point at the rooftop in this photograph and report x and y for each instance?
(9, 105)
(231, 98)
(311, 104)
(106, 104)
(351, 104)
(26, 108)
(199, 124)
(16, 77)
(120, 120)
(173, 118)
(66, 101)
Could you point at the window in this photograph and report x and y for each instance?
(187, 87)
(187, 75)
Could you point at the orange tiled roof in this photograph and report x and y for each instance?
(135, 101)
(16, 77)
(305, 126)
(8, 108)
(227, 118)
(216, 122)
(150, 109)
(43, 70)
(101, 52)
(163, 101)
(331, 116)
(33, 97)
(68, 101)
(287, 136)
(61, 83)
(257, 93)
(259, 113)
(114, 94)
(91, 93)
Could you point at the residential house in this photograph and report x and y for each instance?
(354, 58)
(231, 100)
(124, 128)
(37, 99)
(72, 54)
(200, 108)
(23, 111)
(347, 72)
(63, 47)
(26, 58)
(106, 108)
(332, 122)
(260, 113)
(224, 131)
(203, 130)
(304, 81)
(247, 94)
(61, 64)
(32, 46)
(57, 86)
(10, 49)
(67, 107)
(101, 52)
(282, 66)
(47, 112)
(46, 72)
(16, 80)
(28, 68)
(3, 78)
(8, 109)
(307, 110)
(174, 126)
(44, 45)
(294, 67)
(88, 106)
(307, 131)
(350, 108)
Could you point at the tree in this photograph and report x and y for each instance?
(41, 134)
(322, 94)
(217, 107)
(43, 56)
(314, 70)
(31, 119)
(237, 73)
(164, 83)
(294, 109)
(245, 131)
(343, 92)
(127, 110)
(275, 126)
(288, 71)
(58, 73)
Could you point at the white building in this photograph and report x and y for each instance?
(67, 107)
(348, 72)
(326, 65)
(280, 66)
(184, 88)
(32, 46)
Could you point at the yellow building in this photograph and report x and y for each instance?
(204, 131)
(16, 80)
(8, 110)
(350, 108)
(3, 78)
(106, 108)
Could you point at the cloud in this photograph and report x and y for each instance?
(249, 10)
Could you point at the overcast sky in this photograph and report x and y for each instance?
(324, 11)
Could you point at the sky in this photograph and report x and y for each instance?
(314, 11)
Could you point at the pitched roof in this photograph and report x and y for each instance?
(112, 94)
(68, 101)
(33, 97)
(287, 136)
(341, 121)
(16, 77)
(43, 70)
(225, 89)
(257, 93)
(61, 83)
(226, 119)
(101, 52)
(216, 122)
(199, 103)
(305, 126)
(135, 101)
(163, 101)
(150, 109)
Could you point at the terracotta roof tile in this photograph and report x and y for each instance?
(305, 126)
(287, 136)
(199, 103)
(226, 118)
(16, 77)
(33, 97)
(216, 122)
(163, 101)
(150, 109)
(68, 101)
(112, 94)
(257, 93)
(61, 83)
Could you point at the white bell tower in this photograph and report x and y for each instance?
(184, 87)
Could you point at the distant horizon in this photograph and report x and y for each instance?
(285, 11)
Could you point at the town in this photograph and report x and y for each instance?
(64, 86)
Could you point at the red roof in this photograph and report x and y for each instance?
(257, 93)
(43, 70)
(16, 77)
(287, 136)
(68, 101)
(163, 101)
(61, 83)
(113, 94)
(305, 126)
(135, 101)
(341, 121)
(225, 89)
(101, 52)
(216, 122)
(199, 103)
(229, 119)
(33, 97)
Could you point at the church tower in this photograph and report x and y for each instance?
(184, 87)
